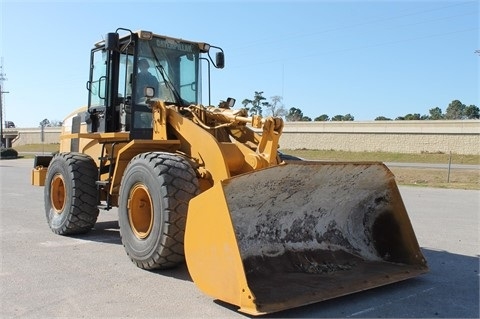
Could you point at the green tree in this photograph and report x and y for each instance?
(346, 117)
(296, 115)
(257, 103)
(412, 117)
(52, 123)
(44, 123)
(337, 117)
(436, 114)
(322, 118)
(455, 110)
(382, 118)
(56, 123)
(472, 112)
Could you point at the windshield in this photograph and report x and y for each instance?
(170, 67)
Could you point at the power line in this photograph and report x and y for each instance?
(298, 58)
(297, 35)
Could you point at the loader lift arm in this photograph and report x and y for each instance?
(223, 131)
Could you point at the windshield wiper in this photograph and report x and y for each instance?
(166, 79)
(169, 84)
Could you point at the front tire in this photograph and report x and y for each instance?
(70, 194)
(154, 195)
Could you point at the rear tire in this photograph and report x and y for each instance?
(154, 195)
(70, 194)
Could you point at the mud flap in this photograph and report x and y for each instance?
(300, 233)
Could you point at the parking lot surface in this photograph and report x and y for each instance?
(43, 275)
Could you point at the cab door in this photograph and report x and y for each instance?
(103, 100)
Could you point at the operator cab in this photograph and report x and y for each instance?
(127, 71)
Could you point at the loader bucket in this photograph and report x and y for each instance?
(300, 233)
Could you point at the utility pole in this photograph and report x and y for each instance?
(2, 142)
(2, 78)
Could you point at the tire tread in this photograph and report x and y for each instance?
(180, 184)
(83, 212)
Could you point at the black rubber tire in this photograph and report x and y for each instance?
(167, 182)
(70, 194)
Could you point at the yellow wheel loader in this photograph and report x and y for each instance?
(207, 185)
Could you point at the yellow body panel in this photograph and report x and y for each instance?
(38, 176)
(211, 251)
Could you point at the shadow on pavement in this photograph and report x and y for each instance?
(109, 232)
(103, 232)
(450, 289)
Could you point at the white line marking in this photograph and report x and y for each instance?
(71, 242)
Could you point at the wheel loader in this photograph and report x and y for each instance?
(206, 185)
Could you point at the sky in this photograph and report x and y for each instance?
(364, 58)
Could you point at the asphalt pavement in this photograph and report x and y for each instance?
(43, 275)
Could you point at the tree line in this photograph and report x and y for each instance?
(456, 110)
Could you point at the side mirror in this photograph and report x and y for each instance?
(227, 104)
(112, 41)
(220, 60)
(231, 102)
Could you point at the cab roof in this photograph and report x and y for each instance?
(148, 35)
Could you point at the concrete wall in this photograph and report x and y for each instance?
(33, 135)
(460, 137)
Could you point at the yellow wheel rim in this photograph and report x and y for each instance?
(57, 193)
(140, 211)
